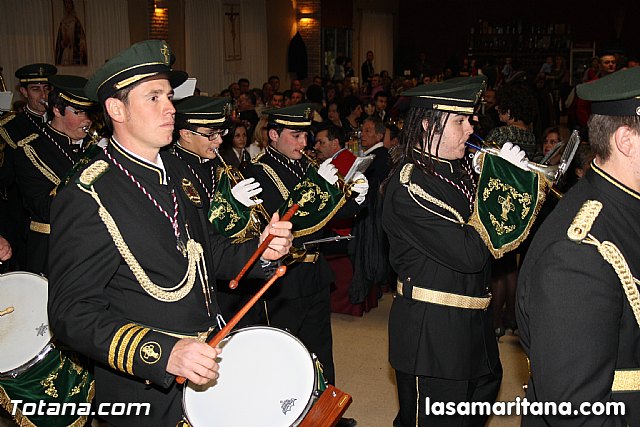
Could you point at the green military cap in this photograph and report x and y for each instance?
(294, 116)
(458, 95)
(71, 89)
(35, 73)
(138, 62)
(617, 94)
(201, 111)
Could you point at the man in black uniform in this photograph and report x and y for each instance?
(131, 248)
(301, 302)
(577, 300)
(201, 123)
(441, 340)
(43, 159)
(34, 86)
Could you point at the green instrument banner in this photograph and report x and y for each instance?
(56, 380)
(318, 202)
(228, 216)
(507, 202)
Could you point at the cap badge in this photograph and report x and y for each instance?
(307, 113)
(638, 111)
(191, 192)
(165, 52)
(41, 71)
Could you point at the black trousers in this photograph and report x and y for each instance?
(309, 319)
(414, 390)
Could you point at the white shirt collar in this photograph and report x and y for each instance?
(378, 145)
(158, 163)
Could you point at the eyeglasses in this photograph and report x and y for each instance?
(213, 135)
(77, 112)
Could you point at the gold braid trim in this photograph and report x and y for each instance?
(6, 119)
(583, 221)
(579, 232)
(114, 343)
(37, 162)
(416, 190)
(276, 180)
(132, 350)
(123, 346)
(5, 135)
(194, 256)
(5, 402)
(626, 380)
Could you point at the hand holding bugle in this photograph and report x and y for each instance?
(263, 247)
(243, 311)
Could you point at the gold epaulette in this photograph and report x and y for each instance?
(405, 173)
(579, 231)
(27, 140)
(92, 173)
(258, 157)
(6, 119)
(583, 221)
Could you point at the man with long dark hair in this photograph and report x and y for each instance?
(441, 341)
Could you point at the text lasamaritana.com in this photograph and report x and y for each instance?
(521, 406)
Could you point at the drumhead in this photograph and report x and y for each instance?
(24, 333)
(267, 378)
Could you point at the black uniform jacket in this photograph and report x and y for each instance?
(302, 279)
(576, 324)
(96, 304)
(52, 151)
(429, 251)
(204, 170)
(40, 166)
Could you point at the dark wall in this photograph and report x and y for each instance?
(441, 29)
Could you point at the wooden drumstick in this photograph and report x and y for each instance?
(263, 247)
(7, 310)
(241, 313)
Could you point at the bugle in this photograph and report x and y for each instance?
(552, 173)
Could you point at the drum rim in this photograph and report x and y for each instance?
(312, 397)
(15, 372)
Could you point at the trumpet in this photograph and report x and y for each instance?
(552, 173)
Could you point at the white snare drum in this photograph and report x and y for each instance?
(25, 338)
(267, 378)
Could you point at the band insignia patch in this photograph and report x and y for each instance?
(150, 352)
(191, 192)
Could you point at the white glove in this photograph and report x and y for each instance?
(513, 154)
(362, 188)
(245, 190)
(328, 171)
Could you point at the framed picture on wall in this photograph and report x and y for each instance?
(70, 40)
(232, 45)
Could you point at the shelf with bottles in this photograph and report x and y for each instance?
(518, 36)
